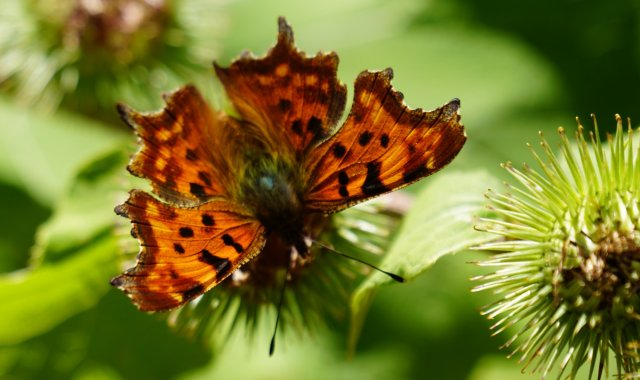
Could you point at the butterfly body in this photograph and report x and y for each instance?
(272, 190)
(227, 188)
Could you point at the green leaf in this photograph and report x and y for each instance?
(40, 153)
(86, 210)
(112, 338)
(440, 222)
(17, 237)
(74, 257)
(34, 301)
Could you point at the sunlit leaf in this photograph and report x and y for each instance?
(440, 222)
(86, 209)
(40, 153)
(74, 259)
(33, 301)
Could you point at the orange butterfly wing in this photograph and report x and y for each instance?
(184, 251)
(382, 146)
(293, 99)
(175, 153)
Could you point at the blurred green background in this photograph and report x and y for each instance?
(518, 67)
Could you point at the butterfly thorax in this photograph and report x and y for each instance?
(271, 188)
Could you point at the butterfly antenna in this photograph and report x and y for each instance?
(272, 345)
(393, 276)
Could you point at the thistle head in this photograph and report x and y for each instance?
(567, 255)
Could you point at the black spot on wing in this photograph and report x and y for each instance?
(191, 155)
(343, 178)
(365, 137)
(178, 248)
(186, 232)
(197, 190)
(284, 105)
(207, 220)
(296, 127)
(314, 126)
(415, 174)
(372, 184)
(220, 264)
(339, 150)
(192, 292)
(384, 140)
(228, 240)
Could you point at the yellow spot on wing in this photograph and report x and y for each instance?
(312, 80)
(152, 209)
(431, 162)
(364, 96)
(177, 126)
(282, 70)
(161, 163)
(164, 134)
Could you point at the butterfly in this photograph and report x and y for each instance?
(227, 187)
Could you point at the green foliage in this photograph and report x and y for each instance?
(36, 300)
(39, 154)
(438, 224)
(588, 43)
(85, 56)
(74, 254)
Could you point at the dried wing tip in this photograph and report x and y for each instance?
(454, 104)
(125, 114)
(247, 54)
(285, 33)
(451, 109)
(117, 282)
(121, 210)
